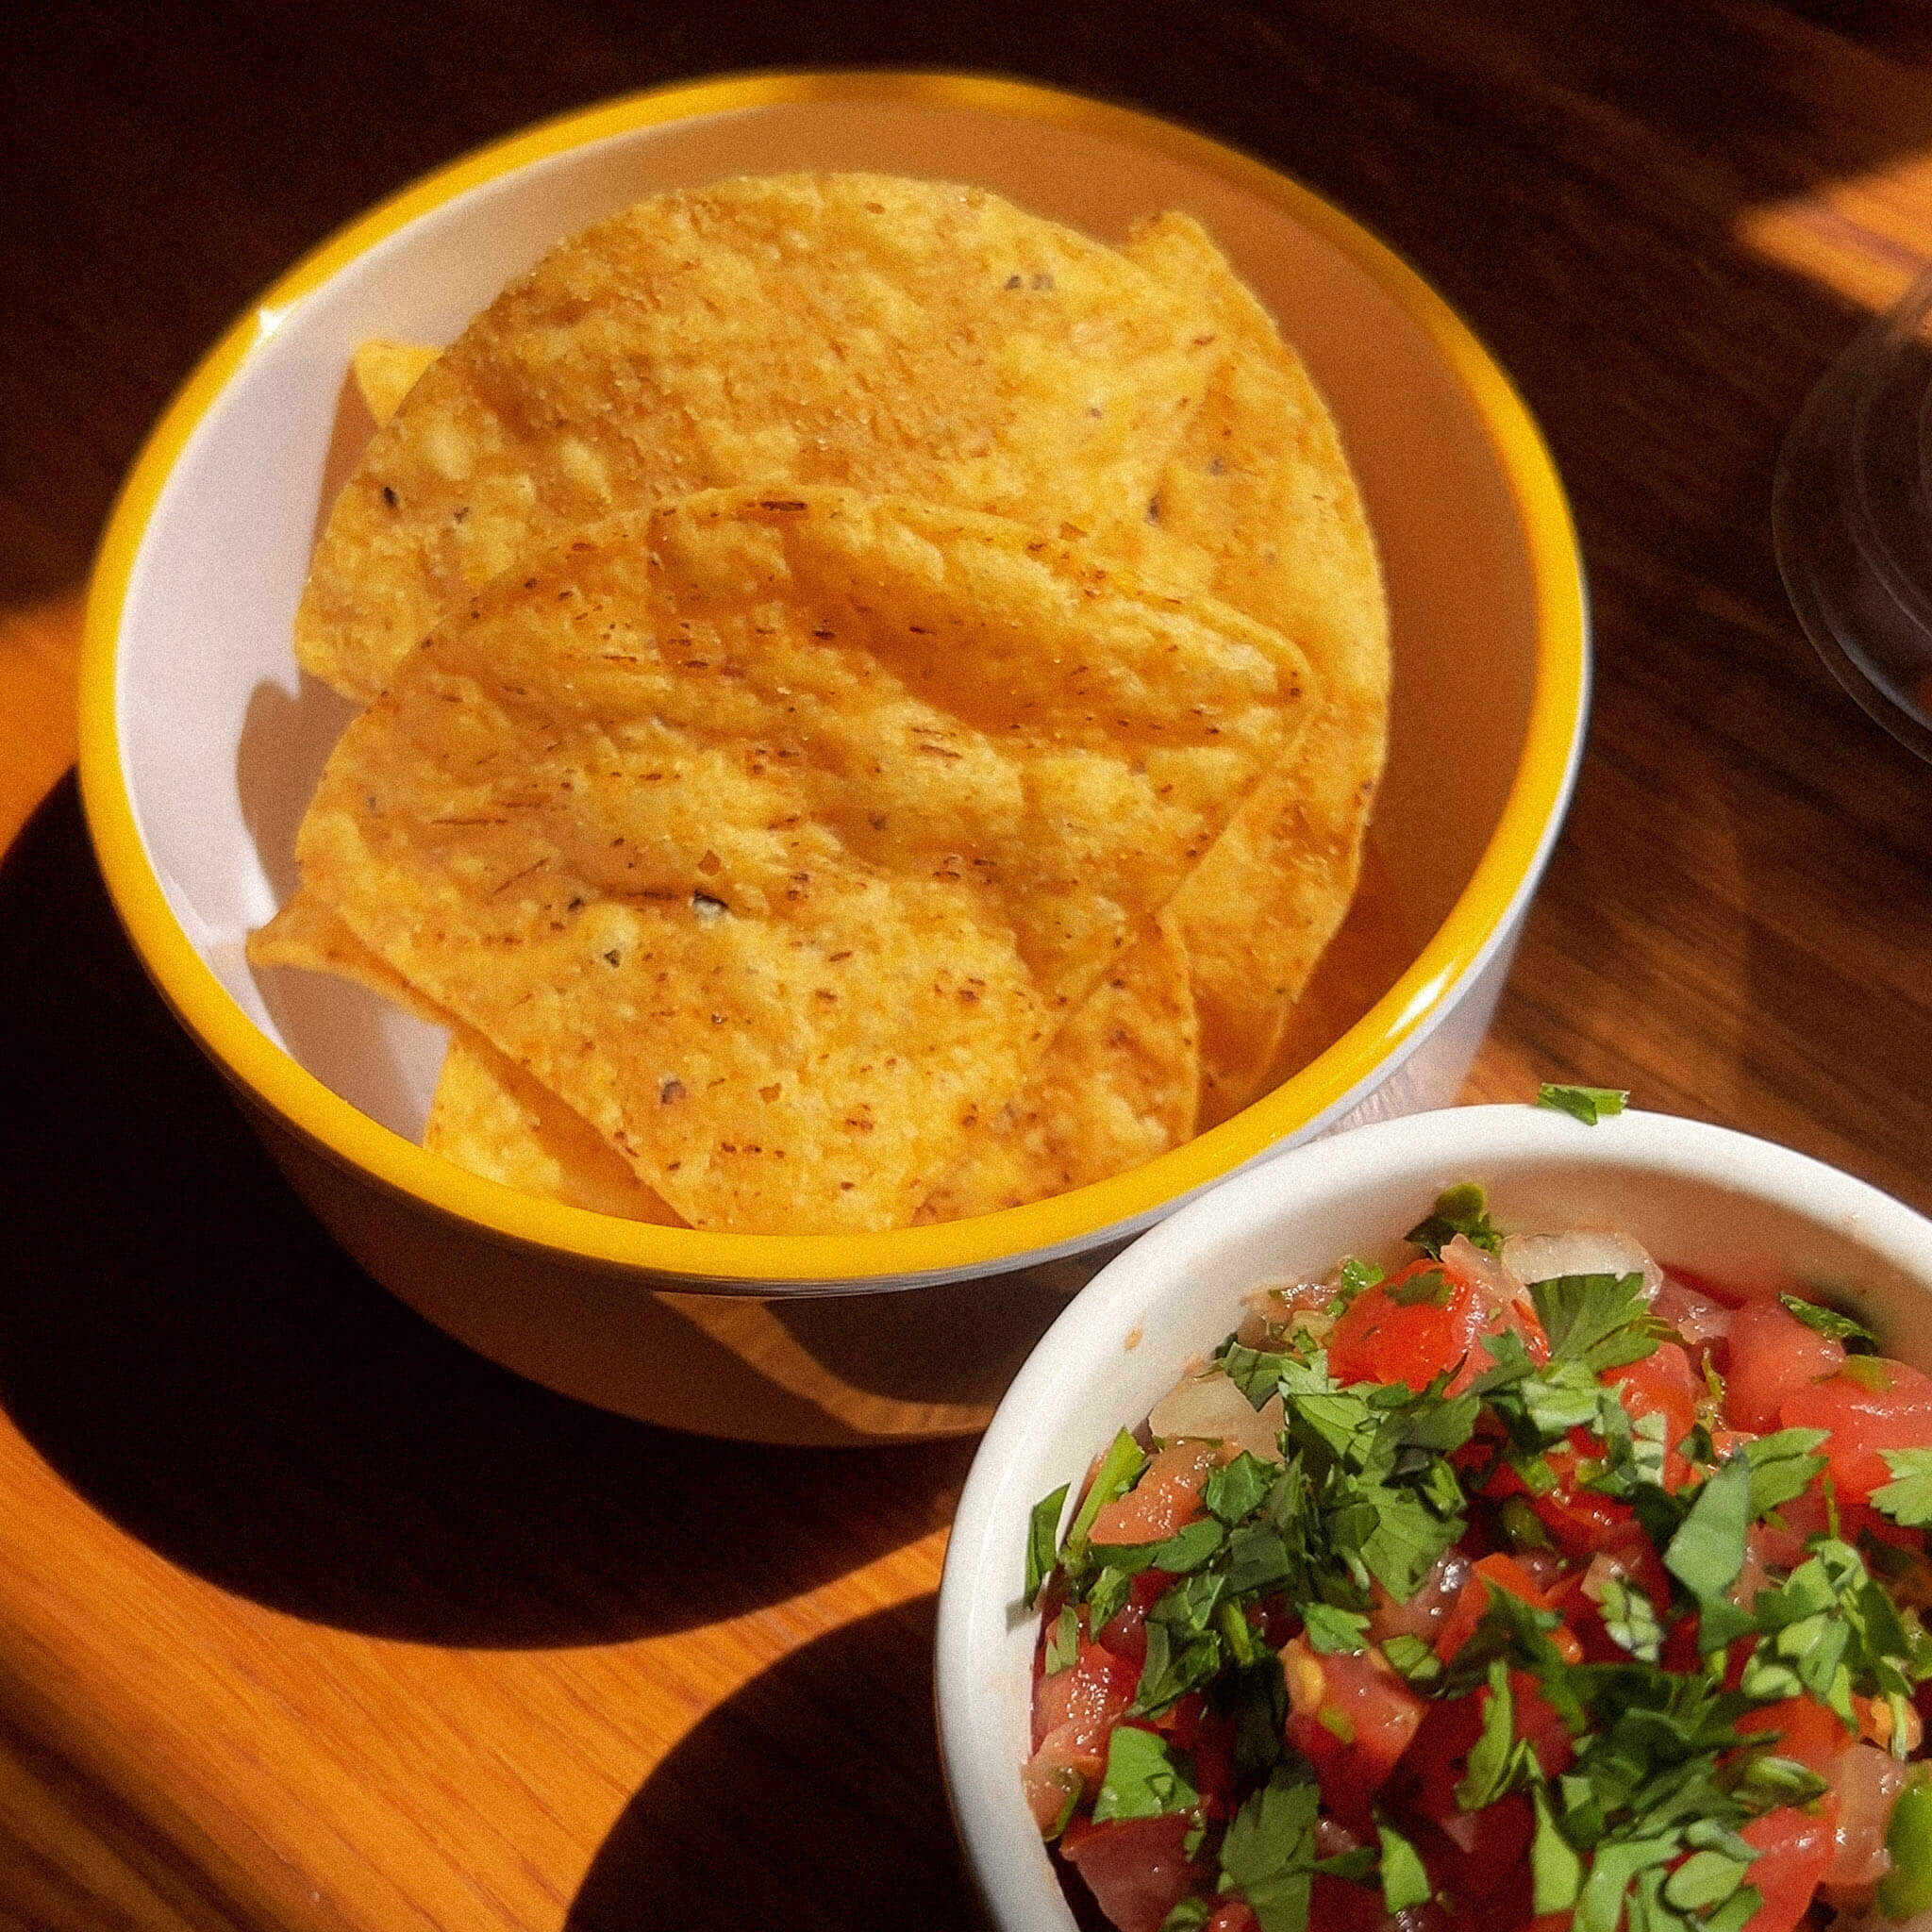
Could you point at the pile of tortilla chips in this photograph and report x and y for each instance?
(873, 701)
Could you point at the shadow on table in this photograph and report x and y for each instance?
(185, 1345)
(818, 1806)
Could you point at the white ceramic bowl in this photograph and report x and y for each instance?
(201, 744)
(1737, 1210)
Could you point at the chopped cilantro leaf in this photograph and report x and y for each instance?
(1357, 1275)
(1142, 1779)
(1331, 1630)
(1556, 1870)
(1269, 1852)
(1430, 1287)
(1123, 1462)
(1412, 1659)
(1234, 1492)
(1063, 1641)
(1041, 1532)
(1256, 1372)
(1907, 1498)
(1704, 1879)
(1259, 1558)
(1459, 1210)
(1105, 1596)
(1186, 1549)
(1404, 1877)
(1782, 1466)
(1631, 1619)
(1177, 1661)
(1586, 1104)
(1392, 1536)
(1499, 1761)
(1190, 1915)
(1599, 1319)
(1708, 1551)
(1600, 1904)
(1856, 1336)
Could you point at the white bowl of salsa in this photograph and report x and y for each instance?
(1732, 1223)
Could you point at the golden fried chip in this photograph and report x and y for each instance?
(307, 932)
(486, 1116)
(494, 1120)
(1259, 507)
(1120, 1084)
(777, 835)
(898, 337)
(386, 372)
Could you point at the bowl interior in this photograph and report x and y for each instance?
(217, 740)
(1738, 1211)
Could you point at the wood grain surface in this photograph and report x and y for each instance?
(310, 1619)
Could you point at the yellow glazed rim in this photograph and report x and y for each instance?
(1508, 868)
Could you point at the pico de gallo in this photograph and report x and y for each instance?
(1528, 1584)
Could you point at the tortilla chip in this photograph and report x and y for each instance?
(309, 933)
(486, 1115)
(495, 1121)
(776, 836)
(1120, 1085)
(1258, 508)
(898, 337)
(386, 372)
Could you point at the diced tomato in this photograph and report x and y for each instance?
(1352, 1717)
(1167, 1497)
(1869, 1406)
(1136, 1868)
(1793, 1849)
(1583, 1620)
(1051, 1781)
(1780, 1545)
(1423, 1613)
(1125, 1633)
(1773, 1356)
(1663, 1384)
(1091, 1694)
(1541, 1723)
(1214, 1762)
(1483, 1854)
(1180, 1722)
(1339, 1905)
(1866, 1782)
(1807, 1733)
(1580, 1522)
(1384, 1338)
(1237, 1915)
(1505, 1573)
(1388, 1335)
(1438, 1760)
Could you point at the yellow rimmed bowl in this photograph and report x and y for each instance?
(201, 744)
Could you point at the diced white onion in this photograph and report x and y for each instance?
(1209, 1407)
(1498, 1286)
(1581, 1251)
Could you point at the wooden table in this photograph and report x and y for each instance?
(310, 1619)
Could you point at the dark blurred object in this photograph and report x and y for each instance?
(1852, 518)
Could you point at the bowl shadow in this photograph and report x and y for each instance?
(185, 1345)
(810, 1801)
